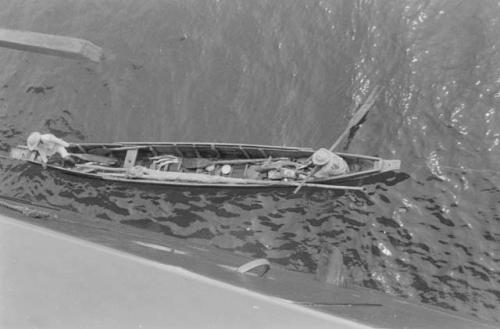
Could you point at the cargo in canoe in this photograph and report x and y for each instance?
(220, 165)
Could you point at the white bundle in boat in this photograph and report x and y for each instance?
(145, 173)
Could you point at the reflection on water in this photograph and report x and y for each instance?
(381, 249)
(285, 72)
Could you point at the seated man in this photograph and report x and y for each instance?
(47, 145)
(330, 164)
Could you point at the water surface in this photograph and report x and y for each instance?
(285, 73)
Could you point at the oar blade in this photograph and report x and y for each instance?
(367, 105)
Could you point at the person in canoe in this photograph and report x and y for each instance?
(329, 164)
(47, 145)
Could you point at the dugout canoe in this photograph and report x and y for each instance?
(220, 165)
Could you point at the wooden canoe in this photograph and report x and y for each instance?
(220, 165)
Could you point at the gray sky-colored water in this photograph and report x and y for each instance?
(286, 73)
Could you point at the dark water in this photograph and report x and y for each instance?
(287, 73)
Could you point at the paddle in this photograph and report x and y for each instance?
(355, 120)
(359, 115)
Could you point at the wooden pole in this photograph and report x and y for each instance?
(49, 44)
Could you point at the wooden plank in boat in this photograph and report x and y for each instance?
(95, 158)
(130, 158)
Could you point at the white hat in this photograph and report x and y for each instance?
(33, 140)
(321, 157)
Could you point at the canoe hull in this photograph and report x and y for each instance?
(362, 166)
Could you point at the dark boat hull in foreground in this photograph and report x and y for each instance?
(207, 164)
(175, 283)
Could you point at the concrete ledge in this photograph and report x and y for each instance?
(49, 44)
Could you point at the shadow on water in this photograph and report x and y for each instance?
(275, 224)
(377, 232)
(390, 178)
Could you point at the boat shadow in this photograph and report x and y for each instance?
(389, 178)
(258, 222)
